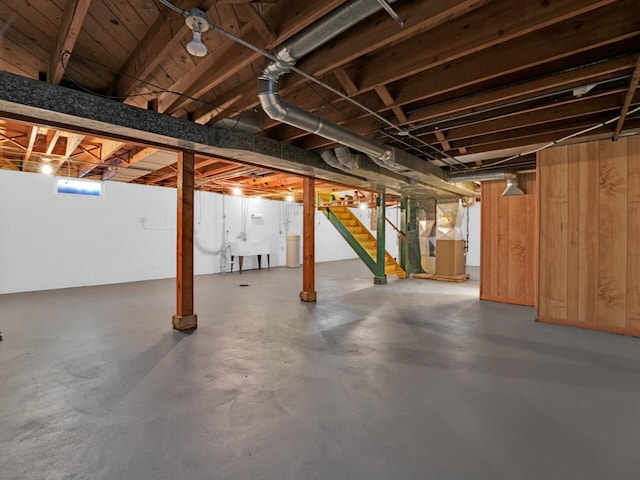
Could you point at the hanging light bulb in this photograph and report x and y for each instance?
(195, 47)
(289, 198)
(236, 191)
(46, 169)
(197, 21)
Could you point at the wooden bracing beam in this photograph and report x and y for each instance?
(68, 32)
(26, 163)
(628, 99)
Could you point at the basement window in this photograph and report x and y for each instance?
(79, 187)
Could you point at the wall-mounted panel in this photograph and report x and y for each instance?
(508, 264)
(589, 235)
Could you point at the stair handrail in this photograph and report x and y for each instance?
(402, 235)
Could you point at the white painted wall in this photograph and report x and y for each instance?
(50, 240)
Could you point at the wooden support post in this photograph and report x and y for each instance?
(381, 212)
(308, 293)
(404, 228)
(185, 319)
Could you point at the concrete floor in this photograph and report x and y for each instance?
(415, 379)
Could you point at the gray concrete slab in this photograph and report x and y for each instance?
(415, 379)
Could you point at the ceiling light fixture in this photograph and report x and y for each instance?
(46, 169)
(289, 198)
(236, 191)
(197, 21)
(363, 205)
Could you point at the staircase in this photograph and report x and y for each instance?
(360, 239)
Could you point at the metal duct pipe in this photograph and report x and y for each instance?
(312, 37)
(480, 176)
(347, 158)
(277, 109)
(341, 158)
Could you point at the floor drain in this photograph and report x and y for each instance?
(244, 284)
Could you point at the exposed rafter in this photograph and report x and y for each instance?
(68, 32)
(628, 99)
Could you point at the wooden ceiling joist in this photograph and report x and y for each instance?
(231, 57)
(26, 163)
(68, 32)
(163, 37)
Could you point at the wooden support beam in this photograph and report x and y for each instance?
(353, 44)
(627, 101)
(68, 32)
(258, 23)
(552, 82)
(388, 100)
(572, 108)
(7, 165)
(52, 139)
(134, 158)
(107, 148)
(442, 139)
(26, 165)
(163, 37)
(230, 57)
(185, 319)
(73, 141)
(512, 57)
(308, 293)
(495, 24)
(347, 83)
(13, 141)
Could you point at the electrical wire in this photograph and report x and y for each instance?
(158, 88)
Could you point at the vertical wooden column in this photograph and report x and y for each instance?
(185, 319)
(308, 293)
(381, 212)
(404, 228)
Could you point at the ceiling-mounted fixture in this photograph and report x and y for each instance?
(46, 169)
(236, 191)
(512, 188)
(197, 21)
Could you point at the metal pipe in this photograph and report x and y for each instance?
(479, 176)
(316, 35)
(385, 4)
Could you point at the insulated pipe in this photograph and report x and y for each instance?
(347, 158)
(341, 158)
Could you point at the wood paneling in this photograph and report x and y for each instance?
(508, 243)
(589, 228)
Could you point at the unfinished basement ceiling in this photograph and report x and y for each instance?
(472, 82)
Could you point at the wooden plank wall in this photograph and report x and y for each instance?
(508, 256)
(590, 235)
